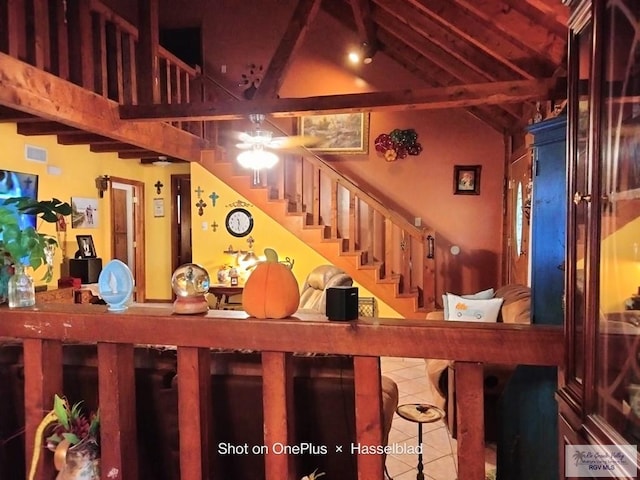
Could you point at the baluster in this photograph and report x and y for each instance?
(353, 220)
(41, 48)
(61, 46)
(129, 82)
(81, 49)
(100, 54)
(388, 247)
(114, 63)
(316, 195)
(334, 210)
(16, 29)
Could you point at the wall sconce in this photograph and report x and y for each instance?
(102, 184)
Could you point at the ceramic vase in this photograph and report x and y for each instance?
(21, 289)
(79, 462)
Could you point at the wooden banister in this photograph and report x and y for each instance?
(44, 329)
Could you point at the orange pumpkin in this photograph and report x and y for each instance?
(271, 291)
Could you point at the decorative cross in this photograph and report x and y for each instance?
(214, 196)
(214, 225)
(201, 206)
(158, 186)
(199, 192)
(28, 183)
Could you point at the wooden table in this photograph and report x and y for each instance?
(221, 290)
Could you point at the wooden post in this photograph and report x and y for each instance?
(277, 398)
(117, 395)
(194, 411)
(42, 379)
(81, 56)
(470, 420)
(368, 392)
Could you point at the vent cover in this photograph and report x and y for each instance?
(35, 154)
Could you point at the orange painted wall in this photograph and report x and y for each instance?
(420, 186)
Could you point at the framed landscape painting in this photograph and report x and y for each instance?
(340, 133)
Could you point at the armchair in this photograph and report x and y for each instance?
(313, 296)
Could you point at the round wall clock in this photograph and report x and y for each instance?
(239, 222)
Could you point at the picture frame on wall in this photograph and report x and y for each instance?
(340, 133)
(466, 179)
(85, 246)
(84, 212)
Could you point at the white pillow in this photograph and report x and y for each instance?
(482, 295)
(470, 310)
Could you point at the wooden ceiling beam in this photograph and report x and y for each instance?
(117, 147)
(82, 138)
(139, 155)
(545, 39)
(501, 118)
(452, 44)
(465, 27)
(45, 128)
(365, 25)
(449, 70)
(36, 92)
(457, 96)
(10, 115)
(290, 43)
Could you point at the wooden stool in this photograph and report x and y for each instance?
(420, 413)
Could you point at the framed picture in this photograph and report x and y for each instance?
(85, 246)
(466, 179)
(158, 207)
(84, 212)
(340, 133)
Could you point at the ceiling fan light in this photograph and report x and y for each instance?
(257, 159)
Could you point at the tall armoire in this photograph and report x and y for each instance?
(599, 392)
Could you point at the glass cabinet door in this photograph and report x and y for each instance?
(617, 370)
(580, 48)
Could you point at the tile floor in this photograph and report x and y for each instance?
(439, 449)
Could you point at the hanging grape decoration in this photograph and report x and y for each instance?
(398, 144)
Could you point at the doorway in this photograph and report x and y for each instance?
(127, 230)
(181, 251)
(518, 218)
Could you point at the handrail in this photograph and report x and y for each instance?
(44, 329)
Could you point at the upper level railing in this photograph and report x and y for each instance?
(43, 330)
(85, 42)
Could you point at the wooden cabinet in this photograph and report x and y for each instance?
(599, 395)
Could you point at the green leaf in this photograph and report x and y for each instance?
(72, 438)
(61, 406)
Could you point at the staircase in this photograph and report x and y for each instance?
(380, 249)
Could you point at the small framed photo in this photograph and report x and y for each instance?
(158, 207)
(466, 179)
(86, 247)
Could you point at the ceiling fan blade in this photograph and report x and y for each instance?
(294, 141)
(244, 146)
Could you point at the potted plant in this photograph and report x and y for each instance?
(23, 246)
(73, 437)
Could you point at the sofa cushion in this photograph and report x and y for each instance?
(470, 310)
(517, 303)
(481, 295)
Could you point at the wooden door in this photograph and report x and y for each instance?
(181, 220)
(518, 217)
(127, 229)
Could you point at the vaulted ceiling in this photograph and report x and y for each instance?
(498, 59)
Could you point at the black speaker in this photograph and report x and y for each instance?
(86, 269)
(342, 303)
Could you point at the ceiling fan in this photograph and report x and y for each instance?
(261, 139)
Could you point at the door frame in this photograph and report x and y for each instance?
(139, 245)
